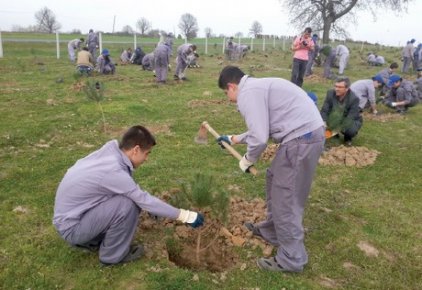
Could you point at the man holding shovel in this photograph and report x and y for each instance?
(278, 109)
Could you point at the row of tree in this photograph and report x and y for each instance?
(323, 15)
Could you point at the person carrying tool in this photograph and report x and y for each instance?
(341, 111)
(98, 202)
(278, 109)
(183, 53)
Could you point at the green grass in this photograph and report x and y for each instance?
(379, 204)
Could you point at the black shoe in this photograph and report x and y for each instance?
(176, 77)
(88, 248)
(251, 227)
(184, 79)
(348, 143)
(135, 252)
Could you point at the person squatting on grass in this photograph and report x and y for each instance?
(402, 94)
(105, 64)
(85, 62)
(278, 109)
(301, 47)
(341, 111)
(98, 202)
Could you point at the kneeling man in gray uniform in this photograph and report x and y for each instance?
(98, 202)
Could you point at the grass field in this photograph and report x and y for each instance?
(47, 124)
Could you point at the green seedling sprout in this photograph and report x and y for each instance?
(94, 91)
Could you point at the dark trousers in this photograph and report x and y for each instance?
(298, 71)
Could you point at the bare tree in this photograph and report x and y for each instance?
(188, 25)
(143, 25)
(46, 21)
(255, 29)
(333, 15)
(238, 34)
(208, 32)
(127, 29)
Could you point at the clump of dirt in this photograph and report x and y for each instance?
(77, 86)
(269, 152)
(358, 156)
(386, 117)
(316, 78)
(204, 103)
(217, 242)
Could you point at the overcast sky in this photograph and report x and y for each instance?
(222, 16)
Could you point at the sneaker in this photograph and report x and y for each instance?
(270, 264)
(255, 231)
(348, 143)
(135, 252)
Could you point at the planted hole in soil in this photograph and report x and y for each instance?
(219, 243)
(201, 249)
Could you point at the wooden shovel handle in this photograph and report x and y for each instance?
(232, 151)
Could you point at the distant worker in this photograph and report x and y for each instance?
(379, 60)
(126, 55)
(162, 55)
(312, 55)
(371, 59)
(341, 111)
(137, 56)
(385, 74)
(407, 54)
(148, 61)
(329, 55)
(85, 62)
(73, 46)
(365, 91)
(342, 53)
(183, 53)
(93, 43)
(301, 46)
(402, 95)
(229, 49)
(105, 64)
(418, 84)
(417, 57)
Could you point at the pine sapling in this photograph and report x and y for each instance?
(94, 91)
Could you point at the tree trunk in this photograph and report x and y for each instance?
(326, 31)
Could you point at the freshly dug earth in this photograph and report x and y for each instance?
(341, 155)
(218, 242)
(358, 156)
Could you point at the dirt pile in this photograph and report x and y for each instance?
(358, 156)
(216, 242)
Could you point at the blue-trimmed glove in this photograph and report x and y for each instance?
(245, 164)
(225, 138)
(191, 218)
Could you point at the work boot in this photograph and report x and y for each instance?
(135, 252)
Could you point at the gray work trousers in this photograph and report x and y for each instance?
(407, 61)
(181, 67)
(298, 71)
(288, 184)
(342, 63)
(112, 224)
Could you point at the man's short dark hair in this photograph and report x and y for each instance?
(308, 30)
(394, 65)
(85, 48)
(137, 135)
(230, 74)
(346, 81)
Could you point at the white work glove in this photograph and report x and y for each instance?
(393, 104)
(192, 218)
(244, 164)
(375, 112)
